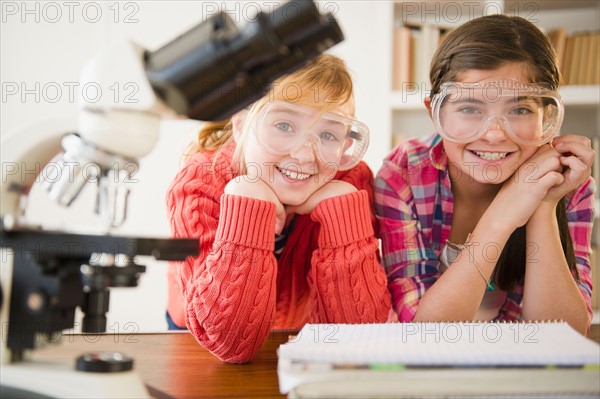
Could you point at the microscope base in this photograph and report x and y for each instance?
(61, 381)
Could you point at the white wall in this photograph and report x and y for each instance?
(45, 44)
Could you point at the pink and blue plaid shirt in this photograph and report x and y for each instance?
(414, 206)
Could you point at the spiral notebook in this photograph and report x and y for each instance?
(463, 359)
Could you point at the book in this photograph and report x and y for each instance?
(456, 383)
(593, 68)
(418, 67)
(431, 40)
(463, 359)
(401, 72)
(565, 65)
(558, 38)
(584, 61)
(575, 64)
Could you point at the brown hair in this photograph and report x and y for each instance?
(488, 43)
(323, 83)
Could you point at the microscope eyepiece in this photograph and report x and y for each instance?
(213, 70)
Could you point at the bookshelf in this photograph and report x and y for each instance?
(429, 20)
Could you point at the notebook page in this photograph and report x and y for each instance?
(443, 344)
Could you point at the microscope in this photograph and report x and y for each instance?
(208, 73)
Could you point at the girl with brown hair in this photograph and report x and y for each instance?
(491, 217)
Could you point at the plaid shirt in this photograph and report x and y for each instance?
(414, 206)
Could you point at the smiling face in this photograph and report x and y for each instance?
(293, 175)
(323, 85)
(495, 156)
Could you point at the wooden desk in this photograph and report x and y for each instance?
(174, 365)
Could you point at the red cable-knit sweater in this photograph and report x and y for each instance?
(236, 291)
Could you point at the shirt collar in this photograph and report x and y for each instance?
(437, 154)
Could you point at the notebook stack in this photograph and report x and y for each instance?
(439, 360)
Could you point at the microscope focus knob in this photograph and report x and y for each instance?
(104, 362)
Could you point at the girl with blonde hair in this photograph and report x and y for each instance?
(282, 206)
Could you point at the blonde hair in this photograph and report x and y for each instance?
(324, 83)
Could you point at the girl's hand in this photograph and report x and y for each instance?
(576, 157)
(333, 188)
(251, 187)
(522, 194)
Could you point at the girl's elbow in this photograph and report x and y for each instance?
(236, 357)
(235, 351)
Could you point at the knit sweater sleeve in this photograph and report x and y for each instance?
(229, 289)
(348, 284)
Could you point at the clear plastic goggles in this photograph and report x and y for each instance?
(282, 128)
(530, 113)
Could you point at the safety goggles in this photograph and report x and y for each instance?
(530, 113)
(282, 128)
